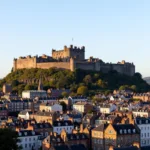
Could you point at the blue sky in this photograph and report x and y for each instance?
(112, 30)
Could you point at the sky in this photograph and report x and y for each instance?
(112, 30)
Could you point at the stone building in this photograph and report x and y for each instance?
(72, 58)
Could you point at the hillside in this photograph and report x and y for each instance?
(55, 78)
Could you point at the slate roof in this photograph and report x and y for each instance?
(23, 112)
(27, 133)
(72, 147)
(41, 125)
(142, 120)
(125, 129)
(61, 147)
(127, 148)
(78, 147)
(78, 136)
(62, 123)
(75, 116)
(145, 148)
(101, 127)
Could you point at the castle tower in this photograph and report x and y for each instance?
(40, 86)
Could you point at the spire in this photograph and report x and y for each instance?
(40, 86)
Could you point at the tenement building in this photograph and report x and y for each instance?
(72, 58)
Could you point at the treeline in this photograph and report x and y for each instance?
(79, 81)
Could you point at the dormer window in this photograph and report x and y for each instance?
(129, 131)
(77, 136)
(140, 122)
(125, 131)
(146, 121)
(66, 123)
(133, 130)
(120, 131)
(33, 133)
(59, 123)
(20, 134)
(25, 133)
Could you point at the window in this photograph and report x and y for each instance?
(30, 145)
(26, 145)
(125, 131)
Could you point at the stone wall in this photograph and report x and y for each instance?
(63, 65)
(24, 63)
(85, 66)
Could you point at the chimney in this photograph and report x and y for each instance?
(111, 148)
(81, 128)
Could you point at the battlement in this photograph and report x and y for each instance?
(72, 58)
(123, 62)
(69, 52)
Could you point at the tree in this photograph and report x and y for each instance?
(64, 106)
(101, 83)
(8, 140)
(133, 87)
(29, 87)
(14, 83)
(82, 90)
(64, 94)
(123, 87)
(87, 79)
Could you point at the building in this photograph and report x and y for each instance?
(144, 126)
(3, 112)
(43, 128)
(29, 140)
(107, 108)
(121, 135)
(31, 94)
(15, 105)
(25, 114)
(58, 126)
(7, 88)
(89, 119)
(97, 137)
(82, 107)
(141, 112)
(72, 58)
(64, 138)
(51, 107)
(41, 116)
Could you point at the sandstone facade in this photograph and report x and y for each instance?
(72, 58)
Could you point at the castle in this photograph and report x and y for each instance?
(72, 58)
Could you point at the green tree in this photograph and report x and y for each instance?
(64, 94)
(8, 140)
(123, 87)
(14, 83)
(101, 83)
(82, 90)
(133, 87)
(29, 87)
(87, 79)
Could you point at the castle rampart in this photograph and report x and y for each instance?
(63, 65)
(72, 58)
